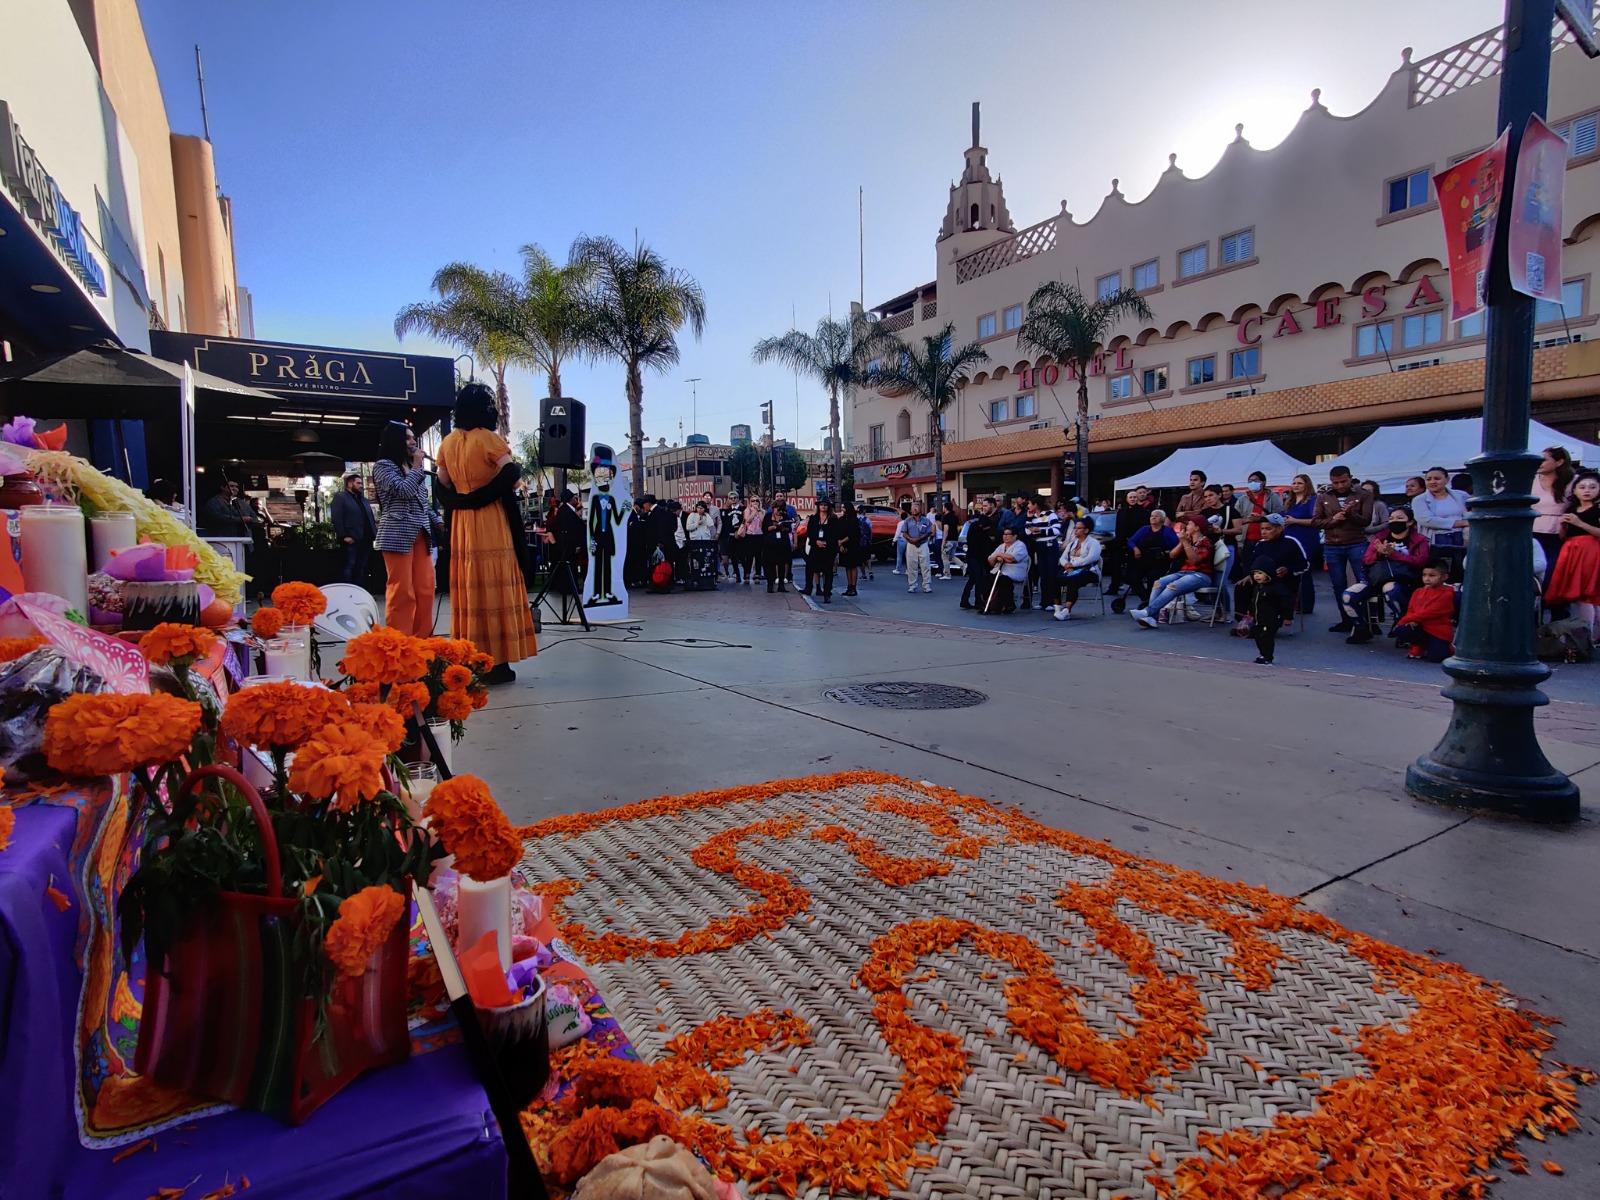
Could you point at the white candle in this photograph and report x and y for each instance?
(54, 558)
(108, 532)
(480, 908)
(290, 659)
(441, 735)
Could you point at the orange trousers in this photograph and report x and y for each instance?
(408, 598)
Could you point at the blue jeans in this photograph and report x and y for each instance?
(899, 554)
(1337, 558)
(355, 562)
(1171, 587)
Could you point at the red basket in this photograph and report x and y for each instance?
(225, 1016)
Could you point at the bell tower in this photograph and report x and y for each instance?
(978, 202)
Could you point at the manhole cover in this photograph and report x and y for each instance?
(894, 694)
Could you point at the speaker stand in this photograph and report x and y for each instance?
(571, 599)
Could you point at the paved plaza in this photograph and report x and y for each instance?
(1168, 744)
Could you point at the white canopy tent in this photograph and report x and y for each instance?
(1221, 464)
(1393, 453)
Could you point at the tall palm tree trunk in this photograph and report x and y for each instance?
(1080, 485)
(502, 400)
(635, 387)
(938, 453)
(555, 382)
(833, 430)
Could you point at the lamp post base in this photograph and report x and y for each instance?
(1489, 757)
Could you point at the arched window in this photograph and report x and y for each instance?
(991, 214)
(902, 426)
(973, 224)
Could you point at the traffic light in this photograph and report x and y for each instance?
(766, 412)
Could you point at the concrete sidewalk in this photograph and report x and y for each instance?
(1289, 778)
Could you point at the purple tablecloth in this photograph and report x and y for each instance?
(418, 1130)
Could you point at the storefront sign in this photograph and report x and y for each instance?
(1469, 203)
(1535, 231)
(894, 471)
(290, 369)
(41, 201)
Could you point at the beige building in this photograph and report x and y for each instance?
(187, 221)
(685, 473)
(1298, 293)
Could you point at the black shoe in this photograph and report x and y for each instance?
(851, 592)
(1265, 662)
(964, 604)
(1119, 605)
(783, 589)
(1341, 627)
(502, 673)
(770, 589)
(827, 599)
(1360, 637)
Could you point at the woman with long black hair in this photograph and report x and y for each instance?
(777, 550)
(488, 594)
(405, 531)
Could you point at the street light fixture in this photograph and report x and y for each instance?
(1489, 757)
(694, 404)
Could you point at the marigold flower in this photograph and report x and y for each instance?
(480, 698)
(266, 622)
(280, 716)
(385, 655)
(362, 693)
(458, 651)
(465, 817)
(342, 763)
(481, 662)
(107, 735)
(386, 727)
(300, 603)
(457, 678)
(364, 923)
(406, 698)
(454, 706)
(8, 822)
(14, 648)
(171, 642)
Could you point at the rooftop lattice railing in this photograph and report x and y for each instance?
(1469, 62)
(1035, 239)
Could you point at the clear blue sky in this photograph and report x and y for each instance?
(365, 143)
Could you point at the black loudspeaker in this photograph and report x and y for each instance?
(561, 432)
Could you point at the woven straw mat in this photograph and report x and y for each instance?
(638, 872)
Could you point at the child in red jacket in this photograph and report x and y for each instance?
(1427, 629)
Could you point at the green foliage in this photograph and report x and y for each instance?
(312, 535)
(1065, 324)
(750, 467)
(640, 305)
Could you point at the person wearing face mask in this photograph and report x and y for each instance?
(1251, 509)
(1394, 560)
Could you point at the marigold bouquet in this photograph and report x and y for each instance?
(340, 829)
(465, 817)
(435, 678)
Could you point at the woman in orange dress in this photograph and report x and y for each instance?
(488, 597)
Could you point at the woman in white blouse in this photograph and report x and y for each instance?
(1440, 512)
(1080, 565)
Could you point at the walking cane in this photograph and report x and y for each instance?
(993, 587)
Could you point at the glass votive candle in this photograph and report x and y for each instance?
(261, 680)
(419, 783)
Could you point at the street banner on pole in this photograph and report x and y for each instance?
(1535, 231)
(1469, 202)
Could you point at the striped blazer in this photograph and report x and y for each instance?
(402, 507)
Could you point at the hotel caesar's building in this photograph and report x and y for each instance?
(1299, 295)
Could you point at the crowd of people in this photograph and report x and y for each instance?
(1250, 556)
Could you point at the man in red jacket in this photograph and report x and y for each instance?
(1428, 628)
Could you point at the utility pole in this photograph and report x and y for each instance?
(694, 403)
(200, 77)
(1489, 757)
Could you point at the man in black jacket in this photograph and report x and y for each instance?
(565, 537)
(1133, 514)
(355, 527)
(983, 536)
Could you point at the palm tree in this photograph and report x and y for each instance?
(835, 356)
(555, 311)
(472, 312)
(640, 305)
(935, 374)
(1065, 324)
